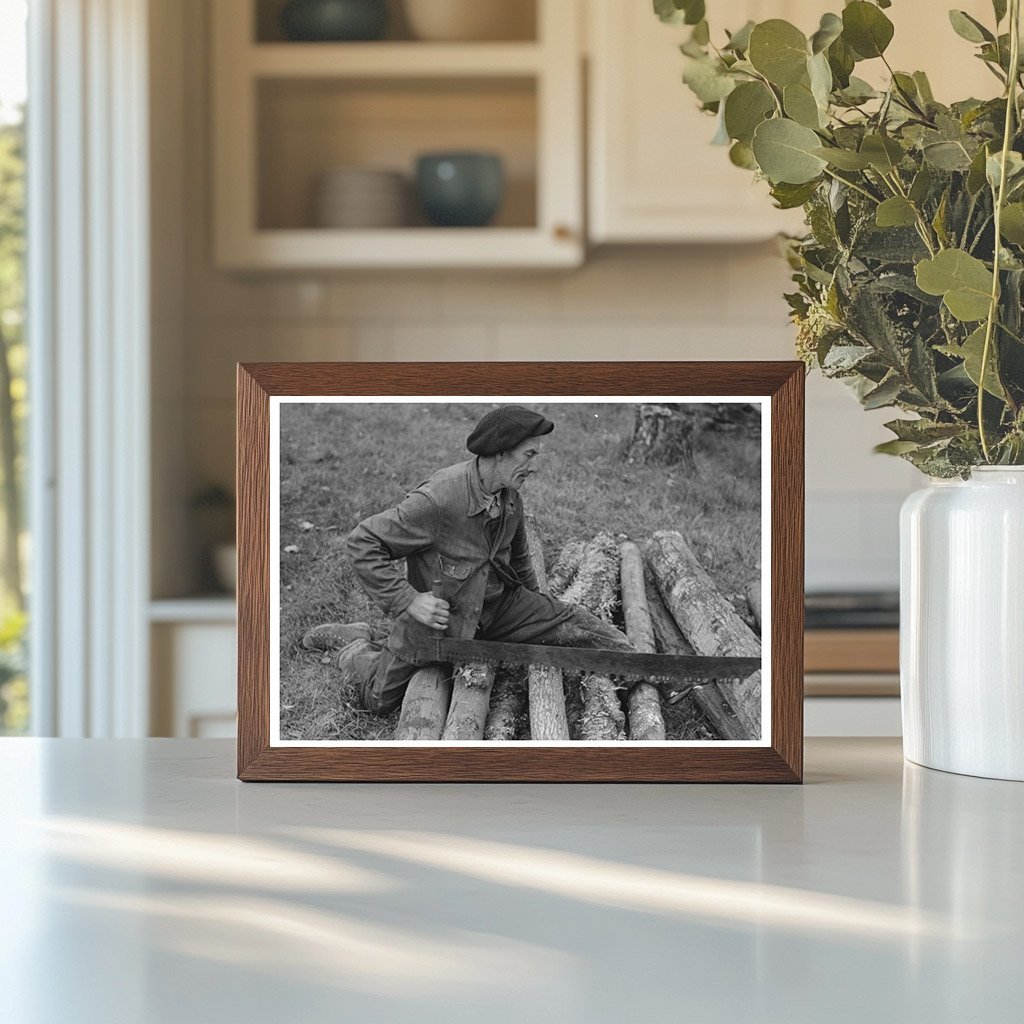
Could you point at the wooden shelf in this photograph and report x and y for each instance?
(286, 112)
(393, 60)
(401, 247)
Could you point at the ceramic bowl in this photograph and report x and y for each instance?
(460, 189)
(334, 20)
(361, 197)
(469, 20)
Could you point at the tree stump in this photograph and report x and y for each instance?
(425, 705)
(644, 701)
(665, 434)
(707, 619)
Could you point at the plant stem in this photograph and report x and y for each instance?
(993, 308)
(855, 187)
(923, 229)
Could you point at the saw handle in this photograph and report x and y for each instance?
(437, 590)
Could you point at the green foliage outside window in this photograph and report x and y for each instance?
(13, 412)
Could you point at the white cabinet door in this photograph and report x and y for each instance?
(653, 174)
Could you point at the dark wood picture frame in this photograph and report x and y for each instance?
(779, 761)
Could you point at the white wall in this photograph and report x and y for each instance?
(721, 302)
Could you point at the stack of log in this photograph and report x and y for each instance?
(668, 604)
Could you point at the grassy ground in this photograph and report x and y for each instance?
(340, 463)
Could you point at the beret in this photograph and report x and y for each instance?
(504, 428)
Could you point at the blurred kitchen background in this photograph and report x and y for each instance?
(286, 215)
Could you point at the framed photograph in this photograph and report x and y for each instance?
(520, 572)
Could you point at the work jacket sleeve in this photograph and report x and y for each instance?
(522, 564)
(376, 544)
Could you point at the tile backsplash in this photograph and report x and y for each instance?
(716, 302)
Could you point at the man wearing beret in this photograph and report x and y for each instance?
(463, 526)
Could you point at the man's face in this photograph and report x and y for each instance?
(518, 464)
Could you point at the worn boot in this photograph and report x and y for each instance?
(357, 664)
(332, 635)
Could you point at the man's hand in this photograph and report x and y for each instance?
(429, 610)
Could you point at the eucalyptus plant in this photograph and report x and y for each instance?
(909, 280)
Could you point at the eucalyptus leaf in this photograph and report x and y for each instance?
(721, 136)
(895, 212)
(788, 196)
(858, 91)
(963, 281)
(895, 447)
(844, 159)
(923, 431)
(885, 394)
(883, 153)
(969, 28)
(701, 33)
(779, 51)
(1012, 223)
(800, 105)
(739, 41)
(741, 155)
(785, 151)
(924, 88)
(841, 60)
(994, 168)
(976, 173)
(708, 81)
(820, 77)
(946, 156)
(829, 30)
(745, 108)
(972, 352)
(999, 7)
(866, 29)
(921, 185)
(675, 12)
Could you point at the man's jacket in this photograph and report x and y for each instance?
(442, 530)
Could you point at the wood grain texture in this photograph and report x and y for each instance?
(852, 650)
(780, 762)
(644, 700)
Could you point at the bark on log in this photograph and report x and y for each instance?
(507, 717)
(425, 705)
(566, 565)
(644, 701)
(594, 588)
(471, 700)
(709, 700)
(548, 720)
(707, 619)
(754, 601)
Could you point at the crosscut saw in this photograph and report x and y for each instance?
(675, 675)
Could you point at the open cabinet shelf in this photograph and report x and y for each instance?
(287, 114)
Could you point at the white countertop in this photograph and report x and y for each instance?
(143, 884)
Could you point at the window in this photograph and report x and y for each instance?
(14, 701)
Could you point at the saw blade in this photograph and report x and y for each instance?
(690, 669)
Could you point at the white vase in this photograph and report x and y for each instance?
(962, 624)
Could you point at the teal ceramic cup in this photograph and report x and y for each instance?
(460, 189)
(334, 20)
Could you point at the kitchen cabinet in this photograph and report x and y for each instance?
(286, 113)
(193, 670)
(653, 175)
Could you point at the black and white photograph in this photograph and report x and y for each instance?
(517, 570)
